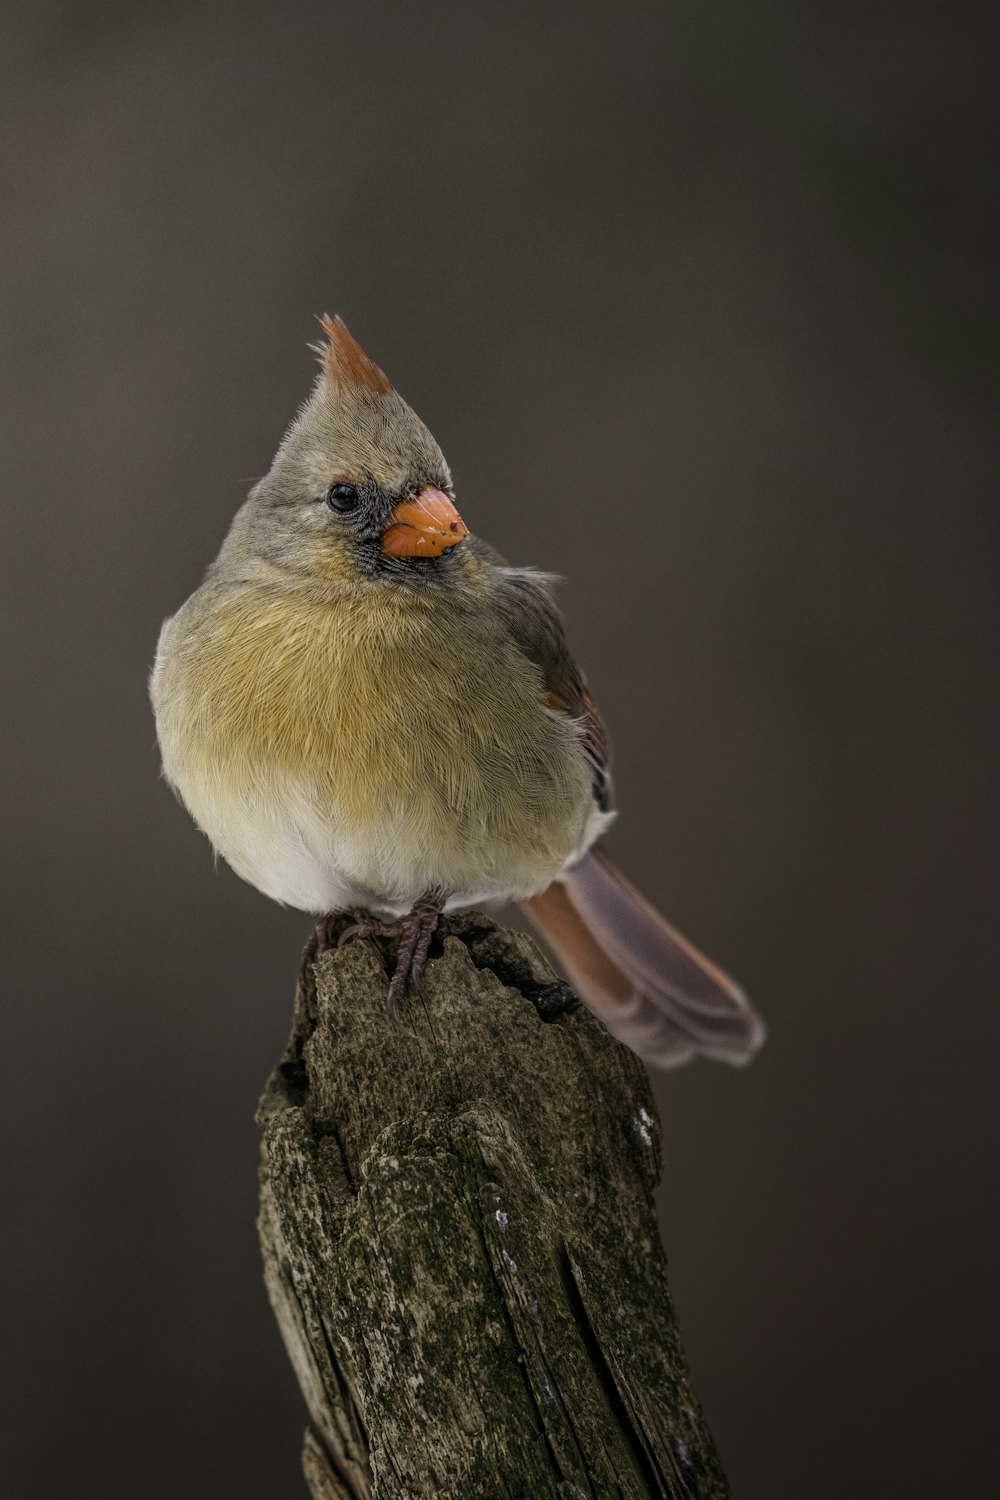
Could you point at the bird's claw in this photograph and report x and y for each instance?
(367, 927)
(415, 932)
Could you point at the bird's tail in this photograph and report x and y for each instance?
(651, 988)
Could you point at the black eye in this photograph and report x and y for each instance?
(342, 497)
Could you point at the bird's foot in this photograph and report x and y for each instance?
(320, 940)
(366, 925)
(325, 936)
(415, 932)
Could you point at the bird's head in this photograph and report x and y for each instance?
(359, 488)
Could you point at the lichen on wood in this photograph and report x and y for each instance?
(460, 1242)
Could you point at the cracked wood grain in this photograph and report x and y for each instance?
(460, 1243)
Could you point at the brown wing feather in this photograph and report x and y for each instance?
(569, 694)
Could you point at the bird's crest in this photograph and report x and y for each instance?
(345, 363)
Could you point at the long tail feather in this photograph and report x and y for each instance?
(649, 985)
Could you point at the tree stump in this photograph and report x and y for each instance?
(459, 1237)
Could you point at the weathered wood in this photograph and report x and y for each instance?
(460, 1242)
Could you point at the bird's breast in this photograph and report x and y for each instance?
(400, 743)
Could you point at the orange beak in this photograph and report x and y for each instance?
(424, 527)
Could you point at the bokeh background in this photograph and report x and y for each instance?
(722, 275)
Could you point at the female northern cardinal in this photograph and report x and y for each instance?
(365, 709)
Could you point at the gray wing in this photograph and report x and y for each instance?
(532, 617)
(647, 982)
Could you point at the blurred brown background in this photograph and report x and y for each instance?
(721, 275)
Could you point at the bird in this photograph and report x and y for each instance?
(367, 711)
